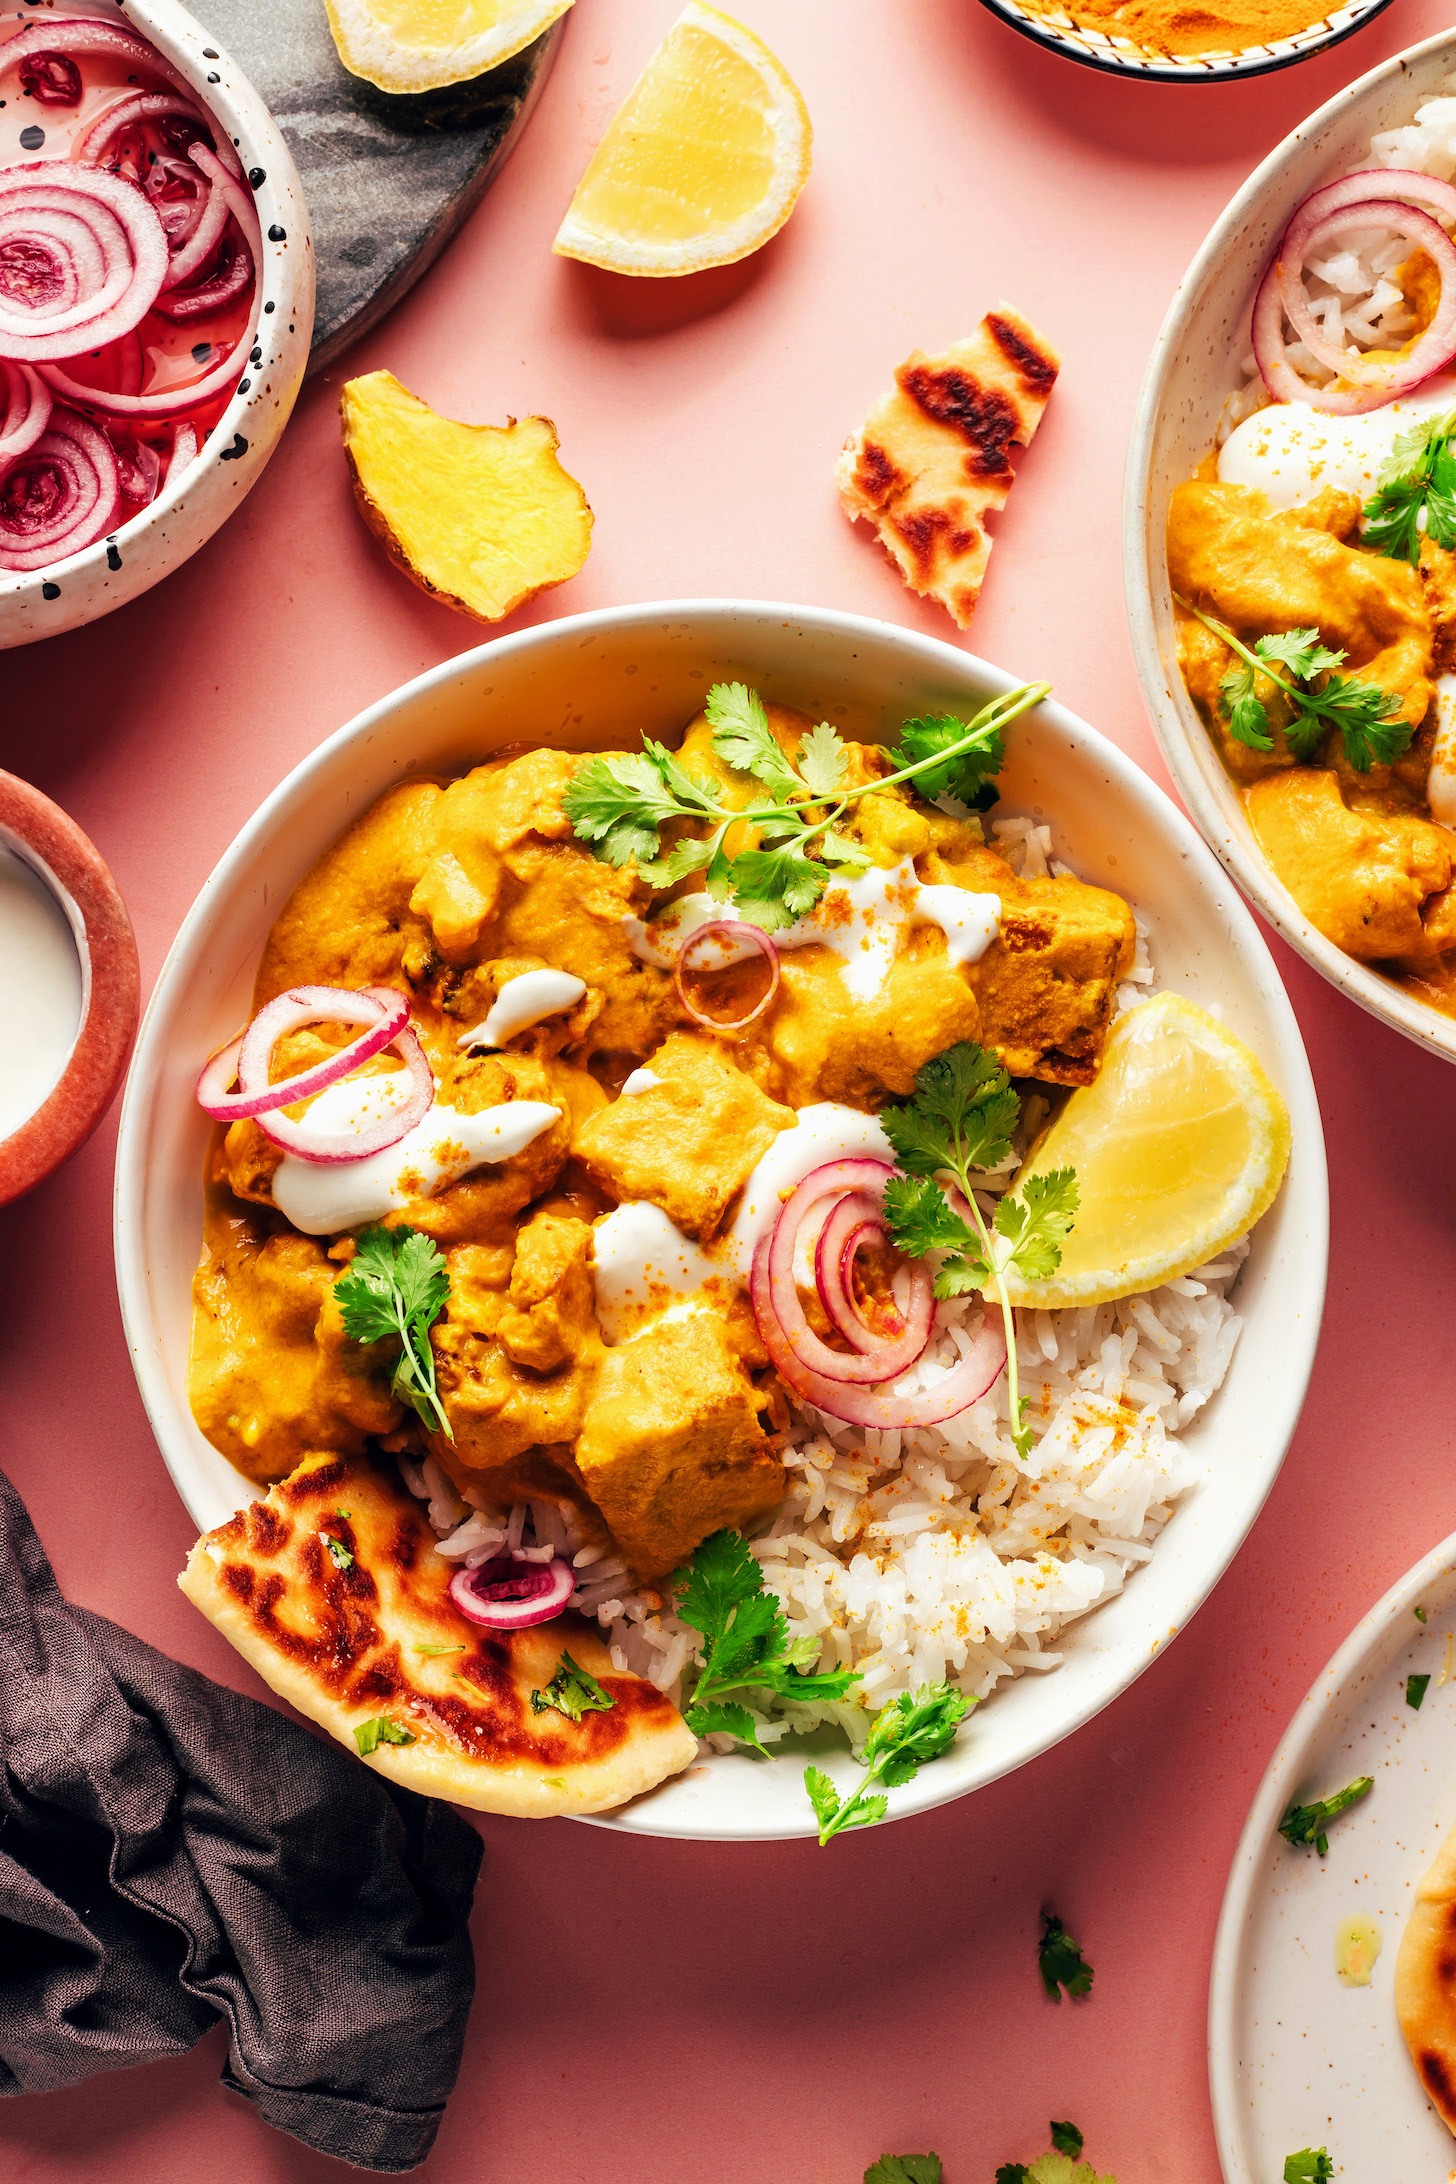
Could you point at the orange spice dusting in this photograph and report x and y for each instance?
(1187, 27)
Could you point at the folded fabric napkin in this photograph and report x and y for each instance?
(171, 1853)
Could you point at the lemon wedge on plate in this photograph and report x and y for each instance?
(421, 45)
(702, 164)
(1179, 1147)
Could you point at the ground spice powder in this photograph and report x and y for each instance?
(1188, 27)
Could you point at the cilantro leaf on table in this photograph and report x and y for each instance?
(369, 1735)
(1305, 1825)
(1365, 716)
(746, 1643)
(904, 2169)
(1419, 474)
(961, 1118)
(395, 1288)
(1061, 1962)
(1060, 2166)
(572, 1691)
(1067, 2139)
(619, 801)
(905, 1736)
(969, 774)
(1312, 2165)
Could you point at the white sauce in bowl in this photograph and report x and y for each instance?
(522, 1002)
(864, 921)
(640, 1253)
(40, 991)
(1292, 452)
(320, 1199)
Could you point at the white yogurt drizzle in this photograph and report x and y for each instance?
(863, 920)
(522, 1002)
(641, 1080)
(640, 1252)
(1291, 451)
(321, 1199)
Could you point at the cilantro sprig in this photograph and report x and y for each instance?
(746, 1642)
(1061, 2166)
(905, 1736)
(1419, 474)
(396, 1287)
(1060, 1961)
(1311, 2165)
(1365, 716)
(904, 2169)
(369, 1735)
(620, 802)
(1305, 1825)
(961, 1118)
(572, 1691)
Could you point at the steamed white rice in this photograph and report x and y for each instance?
(939, 1553)
(1351, 289)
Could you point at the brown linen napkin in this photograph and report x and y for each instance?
(171, 1853)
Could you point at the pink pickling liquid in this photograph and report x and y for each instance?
(167, 348)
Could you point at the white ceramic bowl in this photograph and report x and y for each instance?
(601, 679)
(43, 602)
(1060, 30)
(1194, 366)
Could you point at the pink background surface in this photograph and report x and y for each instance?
(735, 2015)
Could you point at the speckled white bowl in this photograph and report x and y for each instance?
(43, 602)
(598, 680)
(1194, 366)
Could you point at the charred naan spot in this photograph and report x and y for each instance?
(985, 418)
(404, 1549)
(314, 1485)
(1037, 370)
(922, 535)
(271, 1533)
(1437, 2079)
(238, 1579)
(961, 542)
(1446, 1970)
(234, 1532)
(875, 474)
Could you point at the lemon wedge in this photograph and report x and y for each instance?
(421, 45)
(702, 164)
(1179, 1147)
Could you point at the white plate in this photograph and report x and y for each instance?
(600, 679)
(1194, 365)
(1294, 2058)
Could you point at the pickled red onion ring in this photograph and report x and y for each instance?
(334, 1148)
(878, 1357)
(719, 930)
(506, 1594)
(26, 412)
(224, 284)
(201, 243)
(61, 495)
(169, 402)
(1435, 345)
(139, 108)
(852, 1222)
(184, 451)
(82, 259)
(880, 1407)
(249, 1057)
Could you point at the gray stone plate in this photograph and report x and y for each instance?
(388, 180)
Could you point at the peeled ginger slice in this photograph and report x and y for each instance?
(482, 517)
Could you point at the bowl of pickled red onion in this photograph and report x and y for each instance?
(156, 302)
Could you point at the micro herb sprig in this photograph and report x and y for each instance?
(1420, 473)
(1365, 715)
(912, 1730)
(1304, 1825)
(1060, 1961)
(1311, 2165)
(746, 1642)
(961, 1118)
(621, 801)
(396, 1287)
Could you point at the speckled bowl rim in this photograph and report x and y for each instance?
(70, 863)
(1286, 1772)
(1114, 58)
(175, 32)
(1197, 771)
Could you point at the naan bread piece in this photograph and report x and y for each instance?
(380, 1639)
(1425, 1983)
(932, 459)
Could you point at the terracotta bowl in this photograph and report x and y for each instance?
(60, 855)
(597, 680)
(42, 602)
(1194, 366)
